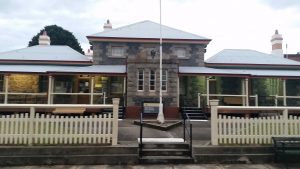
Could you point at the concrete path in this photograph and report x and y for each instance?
(202, 166)
(129, 132)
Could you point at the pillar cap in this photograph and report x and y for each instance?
(214, 102)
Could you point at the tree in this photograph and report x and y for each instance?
(58, 36)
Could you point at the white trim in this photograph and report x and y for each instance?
(284, 91)
(49, 89)
(92, 90)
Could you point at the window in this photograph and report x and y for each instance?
(63, 84)
(152, 80)
(140, 77)
(116, 85)
(180, 52)
(164, 80)
(117, 51)
(43, 83)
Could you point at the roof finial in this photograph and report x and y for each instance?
(276, 32)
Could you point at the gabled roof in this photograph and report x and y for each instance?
(46, 54)
(248, 57)
(147, 30)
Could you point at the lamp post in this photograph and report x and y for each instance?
(160, 116)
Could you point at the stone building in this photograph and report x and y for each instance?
(137, 47)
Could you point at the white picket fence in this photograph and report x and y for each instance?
(40, 129)
(244, 130)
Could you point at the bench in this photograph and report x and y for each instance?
(286, 147)
(65, 110)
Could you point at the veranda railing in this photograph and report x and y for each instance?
(243, 96)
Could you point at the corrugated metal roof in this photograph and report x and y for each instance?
(207, 71)
(247, 56)
(45, 53)
(101, 69)
(147, 29)
(268, 73)
(114, 69)
(242, 72)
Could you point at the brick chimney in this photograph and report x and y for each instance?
(277, 44)
(44, 39)
(107, 26)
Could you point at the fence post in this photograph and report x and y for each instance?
(214, 121)
(116, 102)
(286, 122)
(31, 121)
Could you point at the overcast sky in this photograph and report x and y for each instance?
(231, 24)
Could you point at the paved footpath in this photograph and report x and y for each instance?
(170, 166)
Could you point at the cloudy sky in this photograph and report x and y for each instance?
(242, 24)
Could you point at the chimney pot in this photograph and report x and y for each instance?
(107, 26)
(276, 42)
(44, 39)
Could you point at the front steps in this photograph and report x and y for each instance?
(165, 153)
(193, 113)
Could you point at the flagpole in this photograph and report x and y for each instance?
(160, 117)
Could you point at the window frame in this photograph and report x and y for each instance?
(164, 74)
(152, 80)
(142, 80)
(177, 49)
(115, 54)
